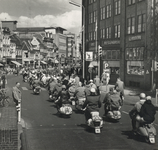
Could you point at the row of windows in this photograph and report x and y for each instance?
(110, 54)
(131, 2)
(131, 25)
(106, 33)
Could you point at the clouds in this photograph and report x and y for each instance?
(68, 20)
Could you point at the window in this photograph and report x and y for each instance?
(111, 55)
(102, 33)
(108, 32)
(102, 13)
(141, 23)
(108, 11)
(90, 18)
(130, 2)
(94, 16)
(131, 25)
(117, 31)
(117, 7)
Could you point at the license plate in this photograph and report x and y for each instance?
(152, 139)
(97, 130)
(73, 103)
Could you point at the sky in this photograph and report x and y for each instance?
(42, 13)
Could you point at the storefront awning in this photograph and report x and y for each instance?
(113, 63)
(16, 63)
(93, 63)
(1, 64)
(43, 62)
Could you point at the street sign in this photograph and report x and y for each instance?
(106, 65)
(89, 56)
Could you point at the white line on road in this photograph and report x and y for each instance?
(24, 88)
(125, 112)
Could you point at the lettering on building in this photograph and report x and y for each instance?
(134, 38)
(111, 42)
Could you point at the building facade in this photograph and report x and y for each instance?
(123, 29)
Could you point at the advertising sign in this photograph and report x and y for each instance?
(89, 56)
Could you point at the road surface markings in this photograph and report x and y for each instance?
(125, 112)
(24, 88)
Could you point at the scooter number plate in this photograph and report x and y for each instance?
(97, 130)
(151, 138)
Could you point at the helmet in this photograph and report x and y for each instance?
(142, 95)
(148, 98)
(63, 87)
(93, 90)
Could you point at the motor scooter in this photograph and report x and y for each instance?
(53, 96)
(79, 103)
(114, 115)
(95, 122)
(147, 131)
(65, 110)
(37, 90)
(25, 79)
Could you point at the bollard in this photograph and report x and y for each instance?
(19, 112)
(156, 95)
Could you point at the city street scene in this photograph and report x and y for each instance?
(79, 75)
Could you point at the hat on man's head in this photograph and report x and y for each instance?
(91, 80)
(93, 90)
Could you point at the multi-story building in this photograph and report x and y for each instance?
(123, 29)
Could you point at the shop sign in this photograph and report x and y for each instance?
(134, 38)
(89, 56)
(111, 42)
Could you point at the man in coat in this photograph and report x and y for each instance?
(16, 93)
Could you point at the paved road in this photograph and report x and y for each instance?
(45, 130)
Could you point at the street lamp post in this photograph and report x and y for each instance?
(83, 30)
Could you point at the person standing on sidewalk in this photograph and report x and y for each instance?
(16, 93)
(97, 82)
(119, 86)
(3, 80)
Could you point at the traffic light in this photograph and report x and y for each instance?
(156, 66)
(99, 50)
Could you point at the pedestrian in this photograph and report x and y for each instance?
(119, 86)
(16, 93)
(3, 80)
(97, 82)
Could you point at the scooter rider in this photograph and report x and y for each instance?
(136, 110)
(112, 101)
(63, 97)
(147, 112)
(91, 104)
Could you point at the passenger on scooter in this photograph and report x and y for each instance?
(91, 104)
(35, 83)
(72, 90)
(51, 85)
(80, 92)
(57, 87)
(112, 101)
(147, 112)
(136, 110)
(63, 97)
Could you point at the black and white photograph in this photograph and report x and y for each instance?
(78, 74)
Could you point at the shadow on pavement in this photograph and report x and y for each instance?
(131, 135)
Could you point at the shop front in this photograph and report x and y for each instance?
(137, 74)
